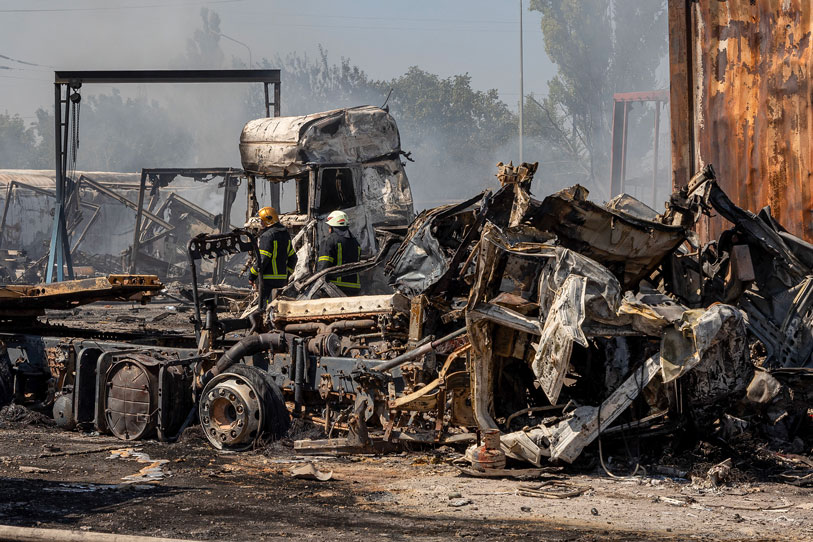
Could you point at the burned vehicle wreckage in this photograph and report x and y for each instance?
(551, 322)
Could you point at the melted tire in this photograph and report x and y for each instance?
(276, 418)
(242, 407)
(6, 379)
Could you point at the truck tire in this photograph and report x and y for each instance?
(241, 407)
(6, 378)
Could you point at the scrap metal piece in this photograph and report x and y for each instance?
(563, 328)
(685, 345)
(630, 246)
(569, 437)
(308, 471)
(32, 300)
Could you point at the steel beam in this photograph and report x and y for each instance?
(167, 76)
(59, 253)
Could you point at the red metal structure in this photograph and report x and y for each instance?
(740, 100)
(622, 104)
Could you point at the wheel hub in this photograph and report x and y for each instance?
(230, 412)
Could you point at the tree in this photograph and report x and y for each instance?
(203, 48)
(456, 133)
(16, 142)
(600, 47)
(118, 135)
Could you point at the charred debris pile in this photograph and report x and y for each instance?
(585, 321)
(505, 326)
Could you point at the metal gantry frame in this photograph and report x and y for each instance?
(66, 83)
(622, 103)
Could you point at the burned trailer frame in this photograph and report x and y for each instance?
(147, 230)
(129, 384)
(162, 226)
(72, 224)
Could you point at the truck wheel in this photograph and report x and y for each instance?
(241, 406)
(6, 378)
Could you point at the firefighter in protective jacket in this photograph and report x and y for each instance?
(277, 256)
(339, 248)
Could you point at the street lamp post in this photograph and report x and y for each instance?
(521, 82)
(250, 64)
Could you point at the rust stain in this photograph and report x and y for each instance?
(750, 104)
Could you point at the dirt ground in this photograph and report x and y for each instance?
(50, 478)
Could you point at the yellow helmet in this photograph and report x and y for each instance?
(269, 216)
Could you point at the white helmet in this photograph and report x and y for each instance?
(338, 218)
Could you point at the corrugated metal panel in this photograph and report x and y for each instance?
(741, 100)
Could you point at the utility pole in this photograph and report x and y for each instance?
(521, 85)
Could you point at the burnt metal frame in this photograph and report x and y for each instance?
(59, 254)
(622, 103)
(230, 185)
(48, 193)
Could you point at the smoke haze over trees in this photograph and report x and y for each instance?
(456, 133)
(600, 47)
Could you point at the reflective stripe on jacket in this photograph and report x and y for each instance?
(277, 256)
(339, 248)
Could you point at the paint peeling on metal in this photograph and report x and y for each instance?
(748, 104)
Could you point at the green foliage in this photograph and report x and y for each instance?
(127, 135)
(446, 111)
(600, 47)
(118, 135)
(16, 142)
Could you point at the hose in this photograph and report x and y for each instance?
(245, 347)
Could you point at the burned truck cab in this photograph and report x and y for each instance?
(345, 159)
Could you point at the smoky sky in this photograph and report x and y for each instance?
(478, 37)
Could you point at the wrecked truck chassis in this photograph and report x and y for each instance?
(532, 302)
(113, 387)
(139, 391)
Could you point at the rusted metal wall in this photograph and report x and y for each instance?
(741, 100)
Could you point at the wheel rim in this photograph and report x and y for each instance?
(231, 412)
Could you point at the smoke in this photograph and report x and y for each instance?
(456, 133)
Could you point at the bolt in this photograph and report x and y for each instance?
(223, 437)
(212, 431)
(222, 393)
(240, 423)
(234, 434)
(206, 420)
(239, 409)
(231, 397)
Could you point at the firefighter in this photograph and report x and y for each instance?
(277, 256)
(339, 248)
